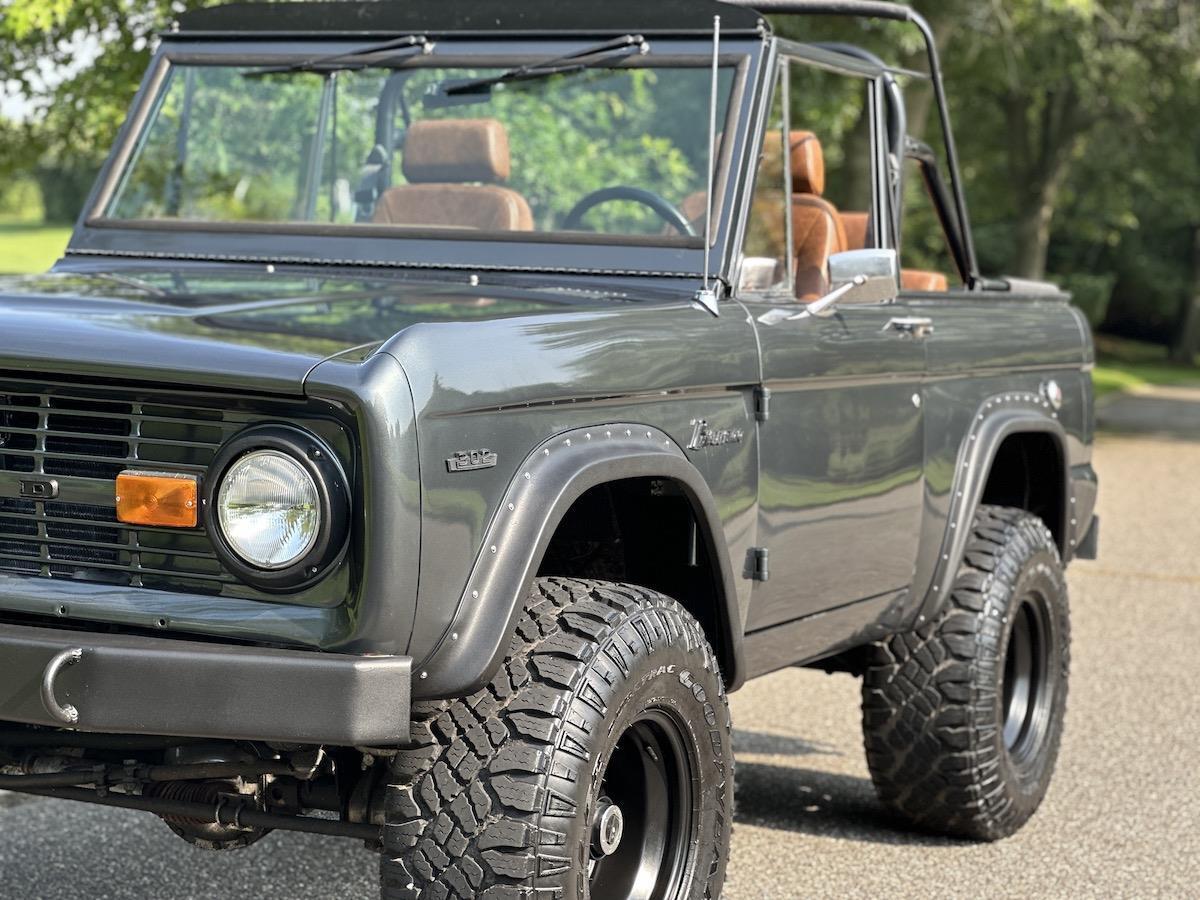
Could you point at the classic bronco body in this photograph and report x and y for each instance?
(440, 407)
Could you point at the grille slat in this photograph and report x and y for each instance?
(68, 435)
(116, 567)
(123, 461)
(64, 520)
(107, 545)
(54, 429)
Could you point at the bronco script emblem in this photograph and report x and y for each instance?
(470, 460)
(704, 436)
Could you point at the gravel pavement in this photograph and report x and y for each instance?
(1120, 819)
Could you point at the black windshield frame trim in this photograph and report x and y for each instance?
(103, 235)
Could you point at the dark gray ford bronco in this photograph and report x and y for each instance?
(442, 406)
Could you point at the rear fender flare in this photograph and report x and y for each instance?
(548, 482)
(996, 419)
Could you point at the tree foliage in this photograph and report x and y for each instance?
(1078, 123)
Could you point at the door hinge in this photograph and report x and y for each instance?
(762, 403)
(761, 563)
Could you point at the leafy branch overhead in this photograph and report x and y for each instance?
(1077, 120)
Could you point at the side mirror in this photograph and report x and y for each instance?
(859, 278)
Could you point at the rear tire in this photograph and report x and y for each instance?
(601, 751)
(963, 717)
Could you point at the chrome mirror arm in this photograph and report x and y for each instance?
(827, 305)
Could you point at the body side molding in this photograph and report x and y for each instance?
(550, 480)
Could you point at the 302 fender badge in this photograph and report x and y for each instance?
(704, 436)
(471, 460)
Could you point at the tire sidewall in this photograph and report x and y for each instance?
(681, 680)
(1041, 576)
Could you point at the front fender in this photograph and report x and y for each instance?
(550, 480)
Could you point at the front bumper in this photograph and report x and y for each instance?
(125, 684)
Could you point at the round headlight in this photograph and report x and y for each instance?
(277, 508)
(269, 510)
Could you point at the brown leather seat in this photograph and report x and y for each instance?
(928, 282)
(817, 231)
(855, 225)
(923, 281)
(455, 170)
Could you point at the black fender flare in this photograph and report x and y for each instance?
(998, 418)
(548, 482)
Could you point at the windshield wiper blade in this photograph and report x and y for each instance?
(405, 46)
(629, 45)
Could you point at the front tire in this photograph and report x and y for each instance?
(963, 717)
(597, 763)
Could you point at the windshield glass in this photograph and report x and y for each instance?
(620, 150)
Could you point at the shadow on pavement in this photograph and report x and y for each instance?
(54, 849)
(1161, 412)
(821, 803)
(778, 745)
(9, 800)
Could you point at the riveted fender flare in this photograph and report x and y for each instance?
(996, 419)
(549, 481)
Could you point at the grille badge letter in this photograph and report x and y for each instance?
(39, 489)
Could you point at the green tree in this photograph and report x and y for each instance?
(1057, 73)
(78, 114)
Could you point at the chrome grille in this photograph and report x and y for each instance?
(81, 437)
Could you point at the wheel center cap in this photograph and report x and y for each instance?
(609, 827)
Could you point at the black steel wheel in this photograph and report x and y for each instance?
(963, 717)
(597, 763)
(644, 821)
(1028, 684)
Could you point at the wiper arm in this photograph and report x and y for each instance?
(629, 45)
(405, 46)
(130, 282)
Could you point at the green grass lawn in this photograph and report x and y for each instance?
(1123, 365)
(27, 247)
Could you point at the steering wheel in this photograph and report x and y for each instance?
(666, 210)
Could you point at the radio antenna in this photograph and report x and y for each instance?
(707, 296)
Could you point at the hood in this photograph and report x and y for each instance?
(232, 328)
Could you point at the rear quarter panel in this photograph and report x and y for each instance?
(988, 346)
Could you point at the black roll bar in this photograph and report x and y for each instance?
(878, 9)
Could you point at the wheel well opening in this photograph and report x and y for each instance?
(644, 531)
(1027, 473)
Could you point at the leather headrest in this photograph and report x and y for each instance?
(457, 151)
(808, 164)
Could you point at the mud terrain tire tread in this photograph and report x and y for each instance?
(472, 809)
(930, 703)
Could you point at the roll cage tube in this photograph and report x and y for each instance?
(879, 9)
(923, 155)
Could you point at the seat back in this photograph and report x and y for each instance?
(855, 225)
(456, 169)
(925, 281)
(817, 231)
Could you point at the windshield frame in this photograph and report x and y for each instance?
(390, 246)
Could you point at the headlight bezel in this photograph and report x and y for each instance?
(321, 464)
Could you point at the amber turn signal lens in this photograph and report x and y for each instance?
(149, 498)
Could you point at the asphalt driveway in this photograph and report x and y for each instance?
(1120, 820)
